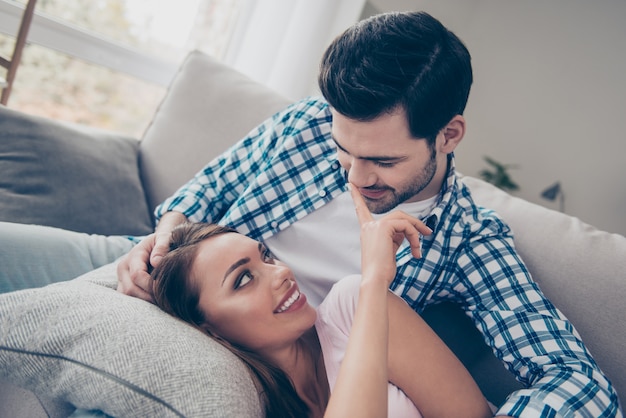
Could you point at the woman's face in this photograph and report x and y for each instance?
(248, 297)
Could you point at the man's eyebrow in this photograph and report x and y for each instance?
(376, 158)
(339, 145)
(234, 267)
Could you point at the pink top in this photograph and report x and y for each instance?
(334, 320)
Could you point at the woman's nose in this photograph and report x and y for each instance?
(281, 274)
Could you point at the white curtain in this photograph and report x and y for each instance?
(280, 42)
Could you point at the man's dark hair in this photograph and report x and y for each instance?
(408, 60)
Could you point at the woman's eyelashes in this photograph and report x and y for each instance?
(243, 279)
(246, 276)
(267, 256)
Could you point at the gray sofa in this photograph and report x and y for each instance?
(81, 344)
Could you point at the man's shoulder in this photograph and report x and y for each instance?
(475, 218)
(309, 110)
(458, 214)
(304, 124)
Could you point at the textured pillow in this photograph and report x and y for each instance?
(83, 343)
(60, 175)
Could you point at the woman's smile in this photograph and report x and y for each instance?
(292, 301)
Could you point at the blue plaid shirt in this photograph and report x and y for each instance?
(287, 167)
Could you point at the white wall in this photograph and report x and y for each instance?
(549, 95)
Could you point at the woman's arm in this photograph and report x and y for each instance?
(389, 342)
(426, 370)
(362, 384)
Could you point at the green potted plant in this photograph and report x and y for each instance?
(498, 175)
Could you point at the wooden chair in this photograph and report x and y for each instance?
(12, 63)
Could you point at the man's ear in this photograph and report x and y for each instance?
(453, 133)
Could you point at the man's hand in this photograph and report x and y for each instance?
(133, 277)
(133, 270)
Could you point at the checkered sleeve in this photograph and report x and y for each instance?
(212, 191)
(534, 340)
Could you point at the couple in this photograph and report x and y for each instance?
(394, 89)
(231, 287)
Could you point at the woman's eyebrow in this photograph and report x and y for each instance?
(234, 267)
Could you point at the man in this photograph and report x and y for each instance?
(395, 88)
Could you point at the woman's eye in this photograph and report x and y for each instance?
(243, 280)
(268, 257)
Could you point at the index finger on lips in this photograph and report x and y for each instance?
(362, 212)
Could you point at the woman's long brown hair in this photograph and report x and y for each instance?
(174, 292)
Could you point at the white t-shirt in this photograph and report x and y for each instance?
(334, 320)
(324, 246)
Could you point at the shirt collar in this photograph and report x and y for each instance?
(445, 195)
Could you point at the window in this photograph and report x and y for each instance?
(107, 63)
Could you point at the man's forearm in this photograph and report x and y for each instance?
(540, 402)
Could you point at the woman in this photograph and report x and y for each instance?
(374, 354)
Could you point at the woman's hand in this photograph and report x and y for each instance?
(362, 384)
(381, 238)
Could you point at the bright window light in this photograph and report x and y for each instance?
(74, 88)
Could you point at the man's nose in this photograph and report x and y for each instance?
(360, 174)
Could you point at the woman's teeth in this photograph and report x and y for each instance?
(289, 302)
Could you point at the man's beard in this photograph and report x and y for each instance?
(406, 192)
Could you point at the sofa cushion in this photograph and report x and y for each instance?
(208, 107)
(83, 343)
(60, 175)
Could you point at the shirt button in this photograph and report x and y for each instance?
(322, 193)
(335, 165)
(274, 224)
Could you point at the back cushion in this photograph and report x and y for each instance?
(208, 107)
(60, 175)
